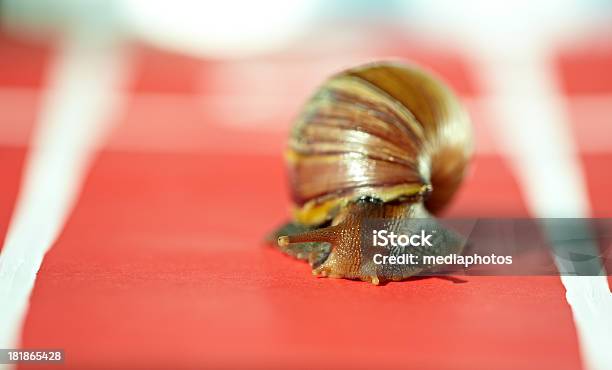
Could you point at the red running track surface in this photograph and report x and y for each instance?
(162, 266)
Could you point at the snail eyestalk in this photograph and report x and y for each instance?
(283, 241)
(325, 235)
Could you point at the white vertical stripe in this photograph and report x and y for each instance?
(534, 128)
(76, 113)
(591, 302)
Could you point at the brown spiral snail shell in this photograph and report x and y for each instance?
(384, 140)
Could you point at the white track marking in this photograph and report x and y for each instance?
(591, 302)
(75, 115)
(535, 130)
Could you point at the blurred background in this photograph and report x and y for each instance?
(185, 107)
(229, 77)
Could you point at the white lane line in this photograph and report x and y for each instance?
(591, 302)
(534, 128)
(76, 113)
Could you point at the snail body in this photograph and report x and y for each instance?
(384, 140)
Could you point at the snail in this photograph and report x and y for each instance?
(385, 140)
